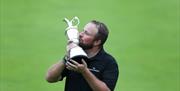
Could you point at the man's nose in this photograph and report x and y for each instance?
(80, 34)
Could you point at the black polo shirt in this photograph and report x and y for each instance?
(103, 66)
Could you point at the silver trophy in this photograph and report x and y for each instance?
(76, 53)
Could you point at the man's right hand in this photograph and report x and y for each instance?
(70, 45)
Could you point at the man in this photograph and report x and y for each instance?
(98, 73)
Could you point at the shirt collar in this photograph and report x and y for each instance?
(99, 55)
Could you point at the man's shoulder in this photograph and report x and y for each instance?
(110, 62)
(104, 57)
(108, 58)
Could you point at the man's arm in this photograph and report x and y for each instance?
(94, 83)
(55, 71)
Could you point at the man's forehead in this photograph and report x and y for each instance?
(90, 27)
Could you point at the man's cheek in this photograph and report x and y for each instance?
(87, 41)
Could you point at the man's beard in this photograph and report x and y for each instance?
(86, 46)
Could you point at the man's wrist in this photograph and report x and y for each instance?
(64, 60)
(84, 71)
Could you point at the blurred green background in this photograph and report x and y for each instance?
(144, 39)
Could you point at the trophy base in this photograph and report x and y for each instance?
(79, 58)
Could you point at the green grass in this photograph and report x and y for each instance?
(144, 38)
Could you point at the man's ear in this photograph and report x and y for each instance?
(97, 42)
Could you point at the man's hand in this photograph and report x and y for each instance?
(92, 80)
(70, 45)
(75, 66)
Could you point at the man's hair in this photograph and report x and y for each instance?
(102, 33)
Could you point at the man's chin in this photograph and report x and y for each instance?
(85, 47)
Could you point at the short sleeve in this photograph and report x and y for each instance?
(64, 74)
(110, 75)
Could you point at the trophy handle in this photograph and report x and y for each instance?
(75, 19)
(69, 23)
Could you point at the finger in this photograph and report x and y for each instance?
(83, 61)
(69, 67)
(74, 62)
(72, 65)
